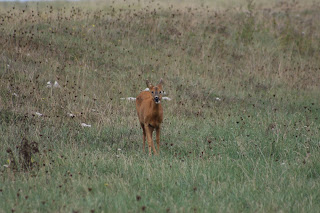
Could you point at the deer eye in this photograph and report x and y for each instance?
(152, 92)
(160, 92)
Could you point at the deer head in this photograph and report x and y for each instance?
(156, 91)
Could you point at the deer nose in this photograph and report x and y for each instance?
(156, 98)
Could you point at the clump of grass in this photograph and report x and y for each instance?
(26, 153)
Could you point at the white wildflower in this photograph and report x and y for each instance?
(166, 98)
(49, 85)
(56, 85)
(128, 98)
(39, 114)
(71, 115)
(85, 125)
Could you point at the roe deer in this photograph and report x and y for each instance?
(150, 113)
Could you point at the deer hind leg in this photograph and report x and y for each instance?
(144, 137)
(149, 131)
(158, 138)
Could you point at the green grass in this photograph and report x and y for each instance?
(254, 150)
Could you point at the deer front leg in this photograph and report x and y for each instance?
(144, 138)
(158, 138)
(149, 131)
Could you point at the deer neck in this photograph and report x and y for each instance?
(155, 107)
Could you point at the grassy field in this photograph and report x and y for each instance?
(241, 134)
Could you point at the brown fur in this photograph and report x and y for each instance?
(150, 114)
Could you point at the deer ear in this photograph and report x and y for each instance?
(149, 85)
(160, 82)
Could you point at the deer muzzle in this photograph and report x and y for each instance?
(157, 100)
